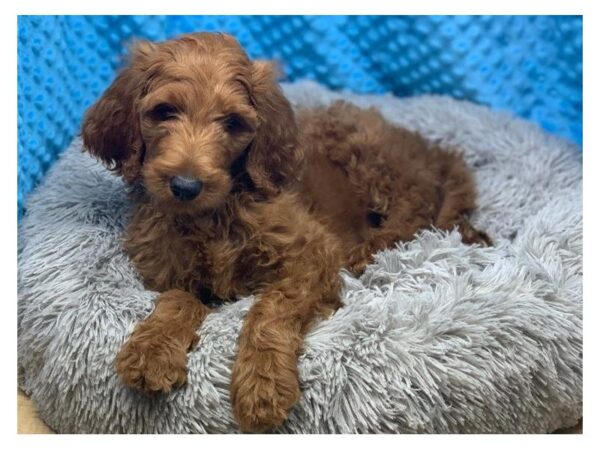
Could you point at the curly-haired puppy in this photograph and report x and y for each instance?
(233, 195)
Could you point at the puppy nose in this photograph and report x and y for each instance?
(185, 188)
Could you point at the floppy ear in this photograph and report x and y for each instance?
(111, 129)
(274, 158)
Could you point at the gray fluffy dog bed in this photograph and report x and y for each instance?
(435, 337)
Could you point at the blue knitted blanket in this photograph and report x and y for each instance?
(529, 65)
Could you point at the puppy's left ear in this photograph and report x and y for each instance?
(275, 158)
(111, 129)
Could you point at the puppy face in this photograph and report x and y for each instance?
(188, 116)
(196, 120)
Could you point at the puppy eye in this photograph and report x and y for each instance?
(233, 123)
(163, 112)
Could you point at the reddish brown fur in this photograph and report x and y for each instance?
(310, 195)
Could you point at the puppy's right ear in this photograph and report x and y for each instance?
(111, 128)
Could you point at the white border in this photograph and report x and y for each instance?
(373, 7)
(591, 207)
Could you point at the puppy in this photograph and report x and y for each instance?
(233, 195)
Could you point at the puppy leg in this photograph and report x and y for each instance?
(154, 357)
(264, 383)
(458, 200)
(469, 234)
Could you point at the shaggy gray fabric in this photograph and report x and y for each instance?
(436, 336)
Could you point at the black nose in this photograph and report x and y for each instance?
(185, 188)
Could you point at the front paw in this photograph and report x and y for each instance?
(152, 363)
(263, 389)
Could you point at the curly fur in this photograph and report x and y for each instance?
(286, 203)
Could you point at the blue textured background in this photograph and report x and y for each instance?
(529, 65)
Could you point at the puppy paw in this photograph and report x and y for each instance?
(152, 364)
(471, 235)
(484, 239)
(262, 396)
